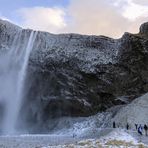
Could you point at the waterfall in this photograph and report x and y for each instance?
(13, 69)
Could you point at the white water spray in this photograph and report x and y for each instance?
(14, 68)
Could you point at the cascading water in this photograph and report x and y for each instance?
(13, 66)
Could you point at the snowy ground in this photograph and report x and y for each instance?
(33, 141)
(118, 138)
(87, 132)
(111, 139)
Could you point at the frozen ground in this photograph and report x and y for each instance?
(34, 141)
(77, 133)
(118, 138)
(109, 138)
(38, 141)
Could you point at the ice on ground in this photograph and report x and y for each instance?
(82, 127)
(115, 139)
(118, 134)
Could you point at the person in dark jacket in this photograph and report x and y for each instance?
(127, 126)
(140, 132)
(136, 125)
(145, 128)
(114, 124)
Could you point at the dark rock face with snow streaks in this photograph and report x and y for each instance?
(79, 75)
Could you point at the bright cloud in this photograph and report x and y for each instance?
(44, 19)
(95, 17)
(106, 17)
(100, 17)
(134, 10)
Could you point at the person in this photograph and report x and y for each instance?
(136, 125)
(127, 126)
(114, 124)
(140, 130)
(145, 128)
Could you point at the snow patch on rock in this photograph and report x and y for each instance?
(134, 113)
(83, 126)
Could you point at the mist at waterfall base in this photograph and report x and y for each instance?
(13, 67)
(13, 75)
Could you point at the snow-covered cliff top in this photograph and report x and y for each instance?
(88, 50)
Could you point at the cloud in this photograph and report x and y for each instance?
(134, 10)
(135, 25)
(95, 17)
(100, 17)
(141, 2)
(105, 17)
(42, 18)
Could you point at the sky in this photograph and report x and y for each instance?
(93, 17)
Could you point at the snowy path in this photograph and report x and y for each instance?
(38, 141)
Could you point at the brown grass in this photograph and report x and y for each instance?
(119, 143)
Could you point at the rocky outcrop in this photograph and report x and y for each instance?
(79, 75)
(144, 28)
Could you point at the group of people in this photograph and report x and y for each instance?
(138, 127)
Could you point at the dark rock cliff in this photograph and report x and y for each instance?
(77, 75)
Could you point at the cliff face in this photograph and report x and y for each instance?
(78, 75)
